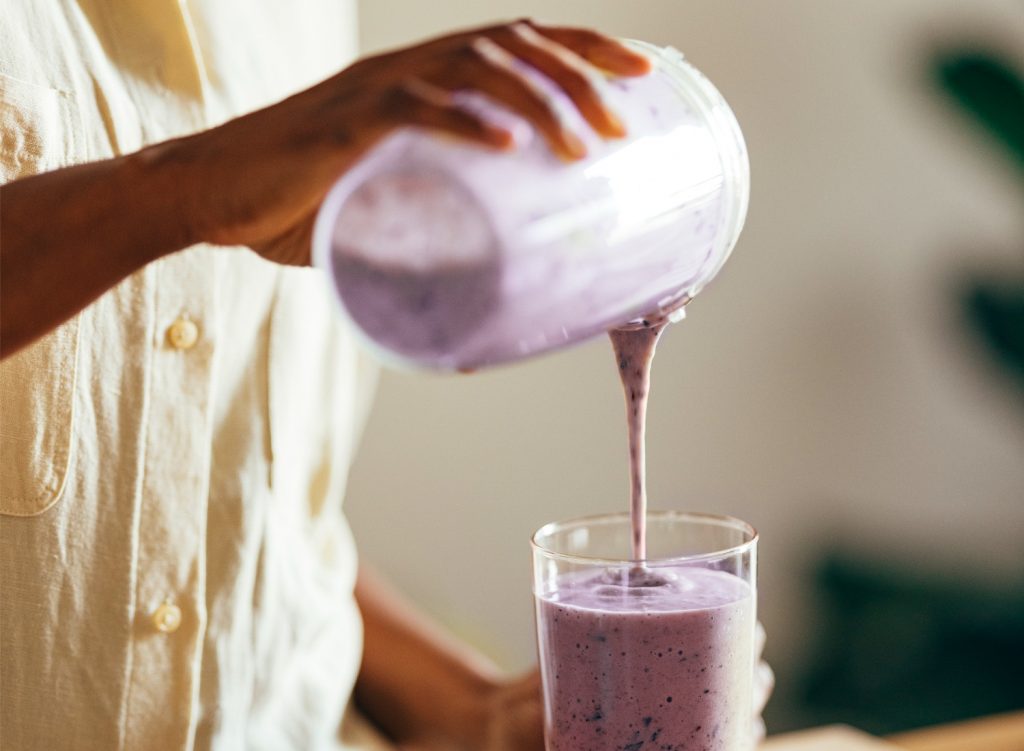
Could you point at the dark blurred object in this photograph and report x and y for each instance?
(989, 90)
(996, 310)
(899, 650)
(993, 94)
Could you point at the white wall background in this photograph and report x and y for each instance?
(822, 388)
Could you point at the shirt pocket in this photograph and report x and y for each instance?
(35, 132)
(37, 385)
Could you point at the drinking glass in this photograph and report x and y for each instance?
(652, 654)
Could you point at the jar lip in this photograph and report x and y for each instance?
(750, 533)
(731, 146)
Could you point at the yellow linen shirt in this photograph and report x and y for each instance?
(176, 569)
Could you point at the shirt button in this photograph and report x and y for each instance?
(167, 618)
(183, 334)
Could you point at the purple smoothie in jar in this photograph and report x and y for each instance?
(448, 256)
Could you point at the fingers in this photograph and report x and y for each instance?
(417, 103)
(567, 70)
(758, 731)
(491, 60)
(597, 49)
(483, 65)
(760, 637)
(764, 684)
(517, 716)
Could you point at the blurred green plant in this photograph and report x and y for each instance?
(900, 648)
(992, 94)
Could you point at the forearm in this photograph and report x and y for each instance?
(416, 683)
(68, 236)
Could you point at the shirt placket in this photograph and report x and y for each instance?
(170, 610)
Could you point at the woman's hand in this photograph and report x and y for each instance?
(258, 180)
(512, 720)
(515, 716)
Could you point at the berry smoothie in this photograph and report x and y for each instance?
(647, 659)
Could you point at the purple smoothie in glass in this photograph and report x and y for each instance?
(647, 659)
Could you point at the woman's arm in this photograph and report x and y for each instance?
(69, 235)
(426, 690)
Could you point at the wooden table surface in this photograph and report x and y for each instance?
(834, 738)
(998, 733)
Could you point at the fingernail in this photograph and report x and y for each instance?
(637, 64)
(501, 138)
(616, 128)
(574, 144)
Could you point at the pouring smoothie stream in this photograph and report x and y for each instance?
(646, 651)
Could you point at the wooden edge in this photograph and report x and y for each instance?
(999, 733)
(832, 738)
